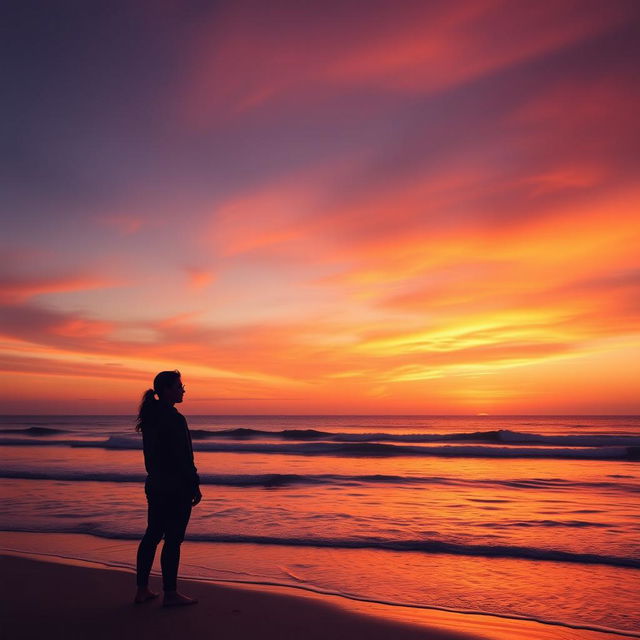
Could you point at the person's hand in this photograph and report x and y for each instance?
(196, 498)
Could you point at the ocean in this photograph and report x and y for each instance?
(534, 517)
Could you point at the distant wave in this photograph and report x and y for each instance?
(273, 480)
(423, 546)
(362, 449)
(504, 436)
(35, 431)
(498, 436)
(247, 480)
(577, 524)
(101, 444)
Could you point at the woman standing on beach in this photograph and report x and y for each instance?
(172, 486)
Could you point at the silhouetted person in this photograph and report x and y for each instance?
(172, 486)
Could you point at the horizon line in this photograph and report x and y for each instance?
(346, 415)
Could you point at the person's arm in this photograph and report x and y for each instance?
(151, 448)
(183, 451)
(197, 495)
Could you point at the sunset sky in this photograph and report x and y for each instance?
(372, 207)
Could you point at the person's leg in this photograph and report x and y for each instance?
(147, 547)
(176, 525)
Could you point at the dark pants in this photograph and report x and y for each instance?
(168, 516)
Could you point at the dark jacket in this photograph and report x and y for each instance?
(168, 453)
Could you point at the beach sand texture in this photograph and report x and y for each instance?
(54, 600)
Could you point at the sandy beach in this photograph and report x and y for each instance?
(62, 600)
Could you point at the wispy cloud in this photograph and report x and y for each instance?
(199, 278)
(17, 289)
(123, 224)
(246, 56)
(319, 208)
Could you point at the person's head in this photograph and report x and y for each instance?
(167, 385)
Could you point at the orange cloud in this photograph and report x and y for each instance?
(199, 278)
(79, 327)
(418, 207)
(277, 217)
(17, 290)
(571, 177)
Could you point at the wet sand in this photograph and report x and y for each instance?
(54, 600)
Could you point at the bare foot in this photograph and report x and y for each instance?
(175, 599)
(144, 594)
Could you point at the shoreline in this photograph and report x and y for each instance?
(286, 611)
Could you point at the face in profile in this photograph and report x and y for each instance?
(175, 392)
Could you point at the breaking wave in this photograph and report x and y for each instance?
(269, 480)
(365, 449)
(423, 546)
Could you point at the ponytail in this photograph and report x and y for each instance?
(146, 408)
(148, 405)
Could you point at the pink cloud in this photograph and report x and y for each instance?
(438, 49)
(247, 55)
(125, 225)
(199, 278)
(53, 365)
(82, 328)
(16, 290)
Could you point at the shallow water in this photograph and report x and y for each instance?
(531, 519)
